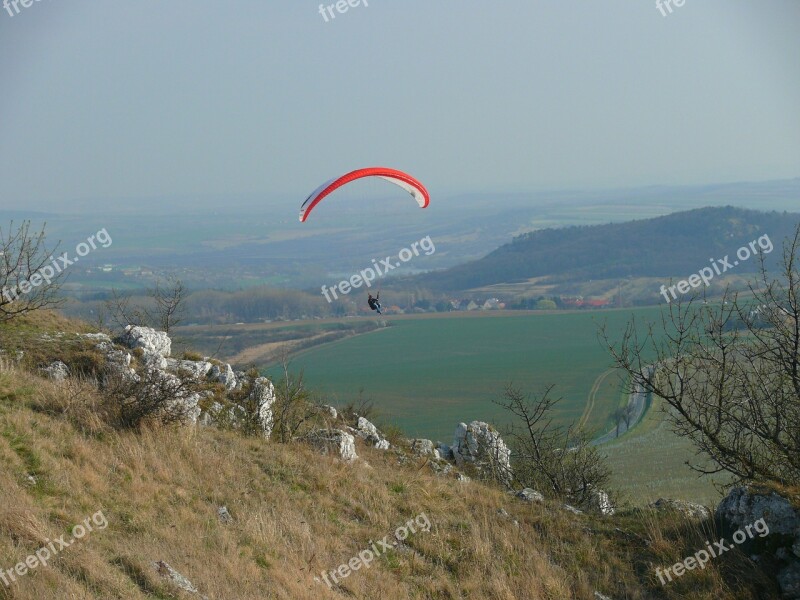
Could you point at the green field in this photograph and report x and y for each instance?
(427, 374)
(650, 463)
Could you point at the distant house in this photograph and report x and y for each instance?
(456, 304)
(472, 305)
(597, 303)
(572, 301)
(491, 304)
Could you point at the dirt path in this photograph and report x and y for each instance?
(264, 352)
(592, 397)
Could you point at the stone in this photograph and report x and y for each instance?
(689, 509)
(167, 572)
(334, 441)
(57, 371)
(529, 495)
(481, 445)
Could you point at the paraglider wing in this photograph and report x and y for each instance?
(399, 178)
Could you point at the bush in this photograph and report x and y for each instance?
(152, 396)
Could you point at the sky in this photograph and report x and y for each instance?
(125, 99)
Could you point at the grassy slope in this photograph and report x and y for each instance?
(295, 514)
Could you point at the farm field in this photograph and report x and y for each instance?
(427, 374)
(649, 463)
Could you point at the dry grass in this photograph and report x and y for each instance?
(296, 514)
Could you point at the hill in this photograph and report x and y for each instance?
(674, 245)
(89, 510)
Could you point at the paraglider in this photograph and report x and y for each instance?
(373, 302)
(399, 178)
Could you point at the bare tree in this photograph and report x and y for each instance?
(730, 373)
(170, 303)
(30, 276)
(618, 416)
(164, 308)
(294, 405)
(123, 312)
(551, 458)
(627, 415)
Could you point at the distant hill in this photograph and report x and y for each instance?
(674, 245)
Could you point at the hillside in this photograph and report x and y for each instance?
(198, 511)
(674, 245)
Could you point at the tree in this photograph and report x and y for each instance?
(170, 303)
(545, 304)
(553, 459)
(30, 275)
(734, 391)
(623, 414)
(294, 406)
(167, 306)
(618, 416)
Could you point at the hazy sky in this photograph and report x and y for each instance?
(117, 99)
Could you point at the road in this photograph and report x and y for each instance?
(638, 400)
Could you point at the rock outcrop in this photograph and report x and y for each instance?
(57, 371)
(154, 344)
(778, 538)
(480, 445)
(689, 509)
(334, 442)
(422, 447)
(371, 434)
(262, 397)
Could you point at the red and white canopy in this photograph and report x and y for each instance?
(399, 178)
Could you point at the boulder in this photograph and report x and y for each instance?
(223, 515)
(371, 434)
(57, 371)
(334, 441)
(178, 401)
(178, 580)
(97, 337)
(745, 507)
(262, 397)
(601, 503)
(151, 342)
(689, 509)
(422, 447)
(572, 509)
(196, 369)
(223, 374)
(481, 445)
(529, 495)
(445, 451)
(211, 415)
